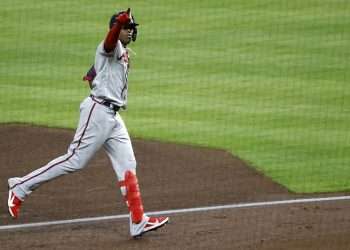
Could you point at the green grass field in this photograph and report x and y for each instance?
(266, 80)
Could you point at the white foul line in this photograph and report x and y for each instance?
(174, 211)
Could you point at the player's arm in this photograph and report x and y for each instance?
(111, 39)
(90, 75)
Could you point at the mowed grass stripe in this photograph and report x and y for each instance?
(266, 81)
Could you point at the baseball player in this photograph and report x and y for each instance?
(100, 125)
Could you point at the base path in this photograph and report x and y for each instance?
(172, 177)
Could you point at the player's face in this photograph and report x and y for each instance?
(125, 36)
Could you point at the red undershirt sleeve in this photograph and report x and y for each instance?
(112, 37)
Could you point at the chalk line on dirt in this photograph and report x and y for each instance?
(175, 211)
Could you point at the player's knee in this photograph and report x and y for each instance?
(78, 163)
(131, 165)
(125, 167)
(130, 162)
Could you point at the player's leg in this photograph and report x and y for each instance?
(90, 135)
(121, 154)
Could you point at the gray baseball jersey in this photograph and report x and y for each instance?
(111, 81)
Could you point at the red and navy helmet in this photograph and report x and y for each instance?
(132, 25)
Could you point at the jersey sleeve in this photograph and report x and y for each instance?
(101, 51)
(102, 57)
(90, 75)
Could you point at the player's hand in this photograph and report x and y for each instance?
(124, 18)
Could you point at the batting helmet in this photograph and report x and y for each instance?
(132, 25)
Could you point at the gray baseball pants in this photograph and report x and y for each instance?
(98, 126)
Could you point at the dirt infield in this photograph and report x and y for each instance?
(171, 177)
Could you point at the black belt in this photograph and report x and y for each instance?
(106, 103)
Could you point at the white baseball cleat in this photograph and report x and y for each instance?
(146, 225)
(14, 204)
